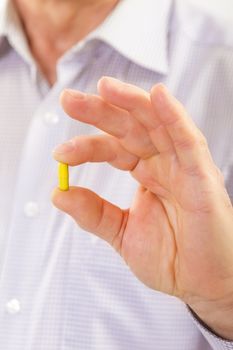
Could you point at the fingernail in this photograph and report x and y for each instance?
(64, 147)
(75, 93)
(162, 93)
(107, 81)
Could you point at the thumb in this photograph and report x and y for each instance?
(93, 213)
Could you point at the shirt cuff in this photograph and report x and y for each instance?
(216, 342)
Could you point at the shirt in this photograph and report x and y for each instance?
(60, 287)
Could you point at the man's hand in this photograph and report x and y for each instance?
(177, 237)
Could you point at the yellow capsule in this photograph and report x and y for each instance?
(63, 176)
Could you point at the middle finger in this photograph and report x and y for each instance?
(92, 109)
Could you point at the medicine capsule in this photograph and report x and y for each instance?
(63, 177)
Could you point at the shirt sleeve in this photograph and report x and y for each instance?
(215, 341)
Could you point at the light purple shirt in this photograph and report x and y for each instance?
(60, 287)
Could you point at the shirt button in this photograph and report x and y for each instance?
(51, 118)
(31, 209)
(13, 306)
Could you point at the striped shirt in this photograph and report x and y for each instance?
(60, 287)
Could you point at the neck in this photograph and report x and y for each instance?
(53, 26)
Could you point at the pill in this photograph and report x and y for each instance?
(63, 177)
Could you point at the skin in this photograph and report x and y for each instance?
(177, 237)
(52, 27)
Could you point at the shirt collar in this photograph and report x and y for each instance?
(3, 15)
(138, 29)
(11, 28)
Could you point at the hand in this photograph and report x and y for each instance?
(177, 237)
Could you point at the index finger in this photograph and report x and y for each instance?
(94, 110)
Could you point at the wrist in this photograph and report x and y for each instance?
(217, 316)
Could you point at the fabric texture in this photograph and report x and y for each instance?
(60, 287)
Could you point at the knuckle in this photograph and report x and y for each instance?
(202, 141)
(185, 143)
(195, 171)
(191, 141)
